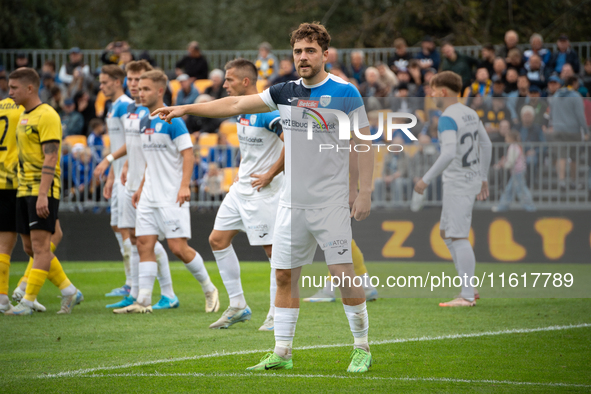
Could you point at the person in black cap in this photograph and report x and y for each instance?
(428, 56)
(538, 105)
(563, 55)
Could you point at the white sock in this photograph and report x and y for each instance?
(465, 266)
(126, 256)
(120, 242)
(273, 293)
(148, 271)
(359, 324)
(197, 268)
(328, 288)
(452, 251)
(23, 285)
(285, 325)
(164, 277)
(365, 282)
(134, 261)
(229, 268)
(4, 299)
(68, 291)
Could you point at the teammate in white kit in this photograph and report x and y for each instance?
(465, 158)
(111, 81)
(162, 200)
(314, 210)
(131, 177)
(251, 204)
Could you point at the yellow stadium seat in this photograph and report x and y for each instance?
(233, 140)
(75, 139)
(229, 175)
(193, 139)
(175, 86)
(261, 85)
(228, 128)
(106, 141)
(206, 141)
(202, 84)
(99, 104)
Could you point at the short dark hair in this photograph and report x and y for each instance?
(94, 123)
(51, 63)
(488, 47)
(311, 32)
(26, 75)
(136, 66)
(247, 67)
(114, 71)
(570, 80)
(449, 80)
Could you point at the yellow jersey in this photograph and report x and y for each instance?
(39, 125)
(9, 115)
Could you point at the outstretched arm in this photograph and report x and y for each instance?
(222, 108)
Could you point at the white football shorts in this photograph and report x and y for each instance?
(128, 211)
(456, 215)
(168, 222)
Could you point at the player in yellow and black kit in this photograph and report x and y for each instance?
(38, 135)
(9, 116)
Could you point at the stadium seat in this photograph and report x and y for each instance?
(227, 128)
(261, 85)
(233, 140)
(206, 141)
(229, 175)
(175, 86)
(75, 139)
(202, 84)
(107, 141)
(99, 104)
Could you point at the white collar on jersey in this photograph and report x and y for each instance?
(318, 84)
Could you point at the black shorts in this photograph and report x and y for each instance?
(8, 210)
(27, 219)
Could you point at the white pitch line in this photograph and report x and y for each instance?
(80, 372)
(273, 375)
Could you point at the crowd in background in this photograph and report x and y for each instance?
(513, 91)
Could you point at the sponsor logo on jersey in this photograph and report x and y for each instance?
(244, 122)
(325, 100)
(149, 131)
(308, 103)
(133, 116)
(337, 243)
(24, 121)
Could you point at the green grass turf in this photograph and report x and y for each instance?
(91, 337)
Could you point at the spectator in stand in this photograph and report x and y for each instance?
(125, 57)
(567, 72)
(530, 131)
(332, 61)
(511, 81)
(498, 86)
(515, 60)
(387, 76)
(3, 83)
(95, 139)
(404, 103)
(199, 171)
(401, 58)
(197, 124)
(356, 70)
(72, 120)
(536, 42)
(76, 63)
(85, 105)
(482, 86)
(212, 183)
(287, 72)
(113, 51)
(370, 86)
(49, 68)
(511, 40)
(488, 58)
(586, 74)
(539, 106)
(404, 78)
(56, 99)
(499, 68)
(394, 176)
(194, 63)
(516, 100)
(22, 60)
(458, 63)
(554, 83)
(48, 84)
(416, 75)
(535, 71)
(428, 57)
(567, 116)
(565, 54)
(496, 113)
(266, 63)
(216, 90)
(223, 155)
(188, 92)
(516, 187)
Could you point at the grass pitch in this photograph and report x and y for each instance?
(508, 345)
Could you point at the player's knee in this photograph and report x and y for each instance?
(28, 249)
(142, 243)
(57, 235)
(216, 242)
(283, 277)
(178, 249)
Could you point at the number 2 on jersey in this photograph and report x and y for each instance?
(465, 162)
(5, 119)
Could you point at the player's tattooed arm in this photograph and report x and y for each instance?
(50, 151)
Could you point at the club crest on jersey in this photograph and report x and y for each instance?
(307, 103)
(325, 100)
(253, 119)
(142, 113)
(158, 127)
(244, 122)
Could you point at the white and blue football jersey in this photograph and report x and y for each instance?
(319, 179)
(162, 144)
(136, 164)
(260, 148)
(116, 129)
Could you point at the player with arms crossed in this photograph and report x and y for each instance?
(131, 177)
(251, 204)
(38, 136)
(315, 209)
(111, 81)
(162, 200)
(465, 158)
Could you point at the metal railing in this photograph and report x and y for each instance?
(166, 59)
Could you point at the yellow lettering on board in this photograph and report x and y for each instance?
(501, 244)
(553, 232)
(401, 230)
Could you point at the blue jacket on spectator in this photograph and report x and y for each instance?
(96, 143)
(224, 156)
(558, 60)
(434, 56)
(182, 98)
